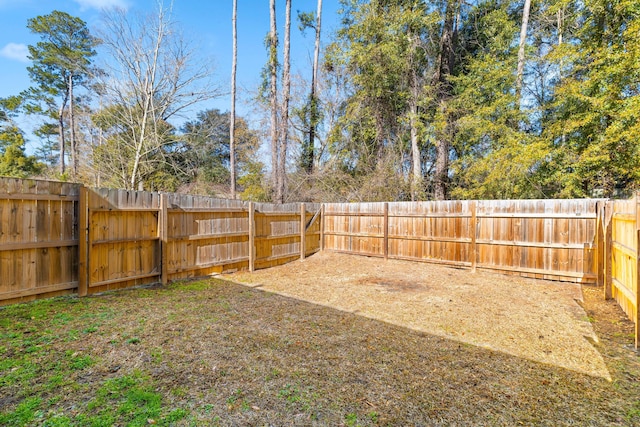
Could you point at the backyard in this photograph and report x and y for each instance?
(370, 343)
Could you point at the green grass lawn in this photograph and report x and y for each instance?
(215, 353)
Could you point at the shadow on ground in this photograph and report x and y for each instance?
(533, 319)
(218, 353)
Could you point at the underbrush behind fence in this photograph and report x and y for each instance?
(60, 238)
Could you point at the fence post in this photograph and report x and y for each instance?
(252, 234)
(608, 255)
(636, 319)
(600, 265)
(83, 253)
(322, 227)
(163, 222)
(303, 231)
(473, 232)
(637, 295)
(385, 242)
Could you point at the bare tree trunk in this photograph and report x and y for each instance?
(414, 83)
(232, 118)
(147, 109)
(61, 136)
(444, 69)
(140, 140)
(284, 123)
(72, 130)
(316, 50)
(523, 43)
(416, 181)
(309, 154)
(273, 94)
(442, 160)
(560, 15)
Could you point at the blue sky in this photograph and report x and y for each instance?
(207, 24)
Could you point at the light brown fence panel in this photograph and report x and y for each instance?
(356, 228)
(545, 239)
(277, 238)
(624, 255)
(551, 239)
(38, 239)
(431, 231)
(312, 228)
(205, 236)
(123, 239)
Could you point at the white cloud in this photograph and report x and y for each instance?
(17, 51)
(102, 4)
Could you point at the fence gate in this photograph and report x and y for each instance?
(120, 242)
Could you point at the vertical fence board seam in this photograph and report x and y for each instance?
(322, 217)
(600, 234)
(636, 318)
(473, 231)
(385, 226)
(637, 293)
(83, 236)
(608, 252)
(303, 230)
(164, 244)
(252, 236)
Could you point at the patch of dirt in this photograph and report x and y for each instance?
(392, 285)
(534, 319)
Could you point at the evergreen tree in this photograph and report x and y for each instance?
(387, 51)
(594, 124)
(14, 161)
(61, 62)
(496, 156)
(311, 113)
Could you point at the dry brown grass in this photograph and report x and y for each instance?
(228, 354)
(533, 319)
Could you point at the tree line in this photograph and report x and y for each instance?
(482, 99)
(112, 121)
(410, 100)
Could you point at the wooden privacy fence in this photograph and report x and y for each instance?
(545, 239)
(131, 238)
(58, 238)
(38, 238)
(622, 251)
